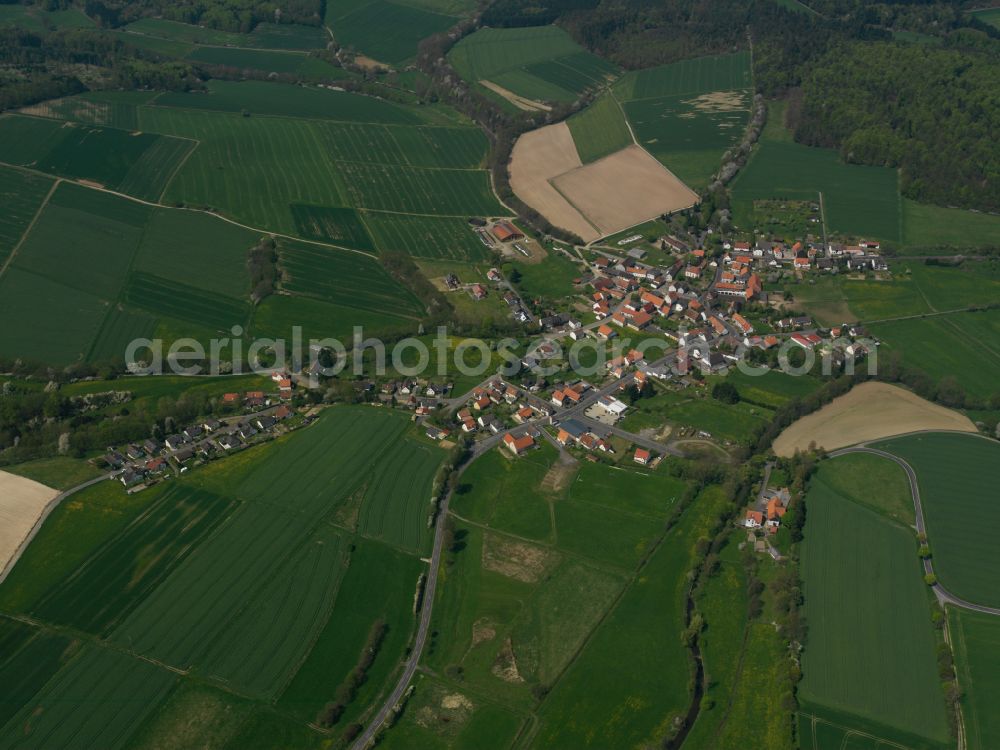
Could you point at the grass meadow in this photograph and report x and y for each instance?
(871, 650)
(975, 638)
(432, 237)
(686, 114)
(299, 64)
(644, 676)
(264, 35)
(957, 475)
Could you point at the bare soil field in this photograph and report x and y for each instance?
(528, 105)
(22, 502)
(515, 559)
(870, 411)
(539, 157)
(626, 188)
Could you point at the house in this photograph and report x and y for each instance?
(156, 465)
(436, 433)
(115, 460)
(266, 423)
(282, 412)
(211, 425)
(806, 340)
(570, 431)
(478, 291)
(743, 324)
(518, 445)
(483, 402)
(255, 398)
(468, 425)
(152, 447)
(228, 442)
(131, 478)
(605, 332)
(641, 456)
(775, 512)
(754, 519)
(692, 272)
(247, 431)
(640, 320)
(194, 432)
(230, 398)
(523, 414)
(175, 441)
(285, 388)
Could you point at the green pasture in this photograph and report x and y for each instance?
(988, 15)
(644, 676)
(551, 279)
(60, 472)
(278, 315)
(634, 491)
(116, 109)
(773, 388)
(975, 640)
(600, 129)
(933, 228)
(193, 710)
(30, 659)
(957, 475)
(36, 18)
(875, 483)
(498, 589)
(871, 645)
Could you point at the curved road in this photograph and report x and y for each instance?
(943, 595)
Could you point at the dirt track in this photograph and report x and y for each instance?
(21, 503)
(869, 411)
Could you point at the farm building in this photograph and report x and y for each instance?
(518, 445)
(507, 232)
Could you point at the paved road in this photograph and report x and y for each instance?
(943, 595)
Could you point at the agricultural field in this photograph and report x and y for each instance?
(975, 639)
(957, 475)
(59, 472)
(303, 66)
(540, 63)
(644, 677)
(433, 237)
(600, 129)
(110, 268)
(115, 109)
(857, 200)
(35, 18)
(23, 194)
(120, 692)
(139, 164)
(926, 227)
(871, 649)
(264, 36)
(384, 30)
(687, 114)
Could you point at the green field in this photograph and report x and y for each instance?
(600, 129)
(384, 30)
(975, 639)
(247, 571)
(538, 62)
(22, 194)
(35, 18)
(140, 164)
(91, 253)
(302, 66)
(264, 35)
(871, 647)
(99, 699)
(957, 477)
(989, 15)
(687, 114)
(857, 200)
(644, 673)
(935, 227)
(433, 237)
